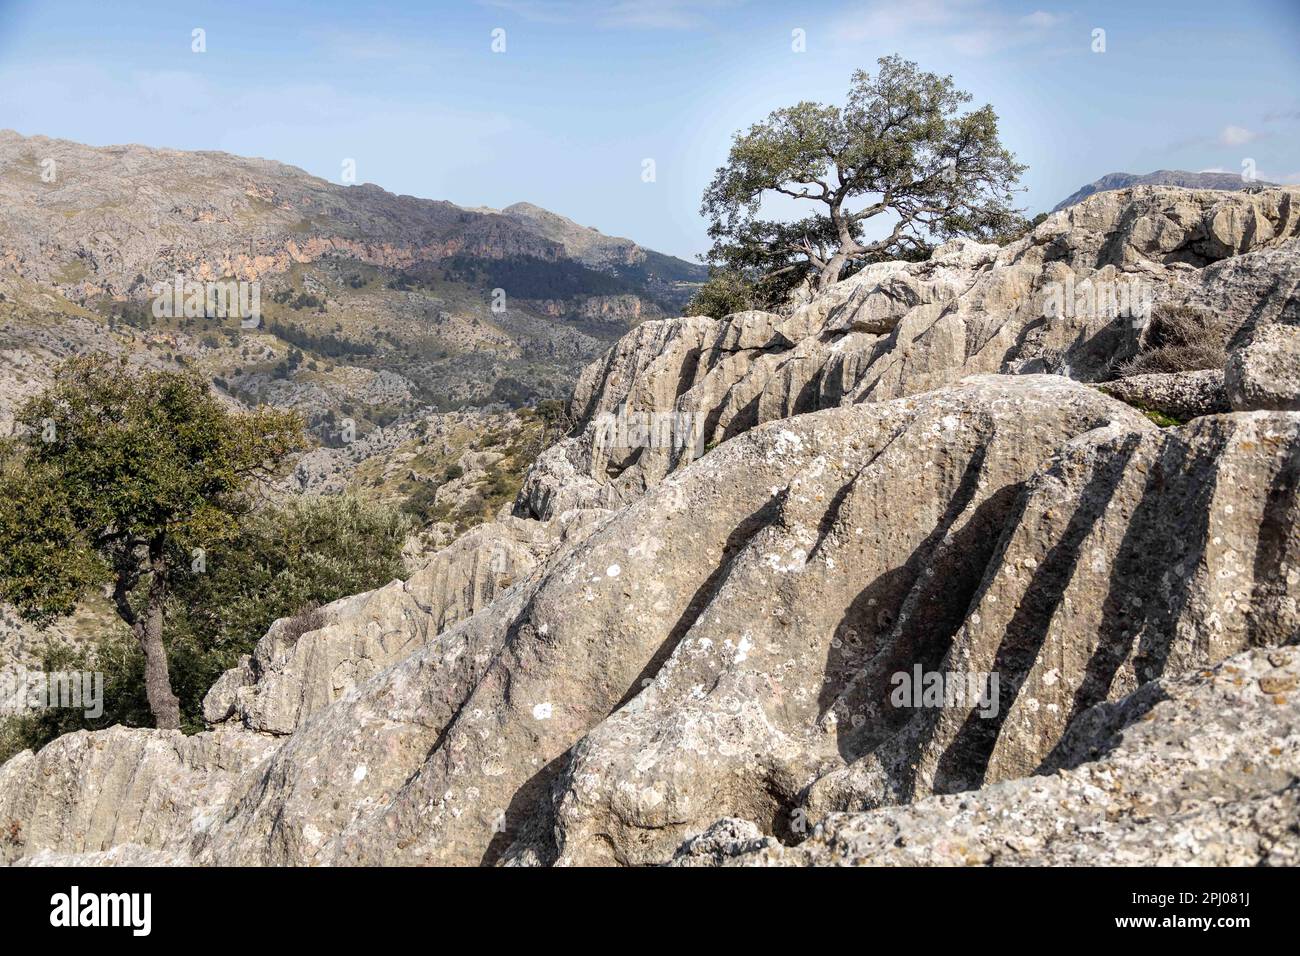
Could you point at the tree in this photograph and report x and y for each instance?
(123, 478)
(283, 561)
(900, 148)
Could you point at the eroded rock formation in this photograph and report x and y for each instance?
(914, 472)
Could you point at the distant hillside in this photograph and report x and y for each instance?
(375, 306)
(1161, 177)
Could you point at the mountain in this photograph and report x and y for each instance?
(1161, 177)
(688, 649)
(374, 305)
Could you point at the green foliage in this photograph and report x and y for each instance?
(726, 291)
(512, 392)
(331, 346)
(117, 474)
(122, 664)
(421, 505)
(1162, 419)
(112, 458)
(901, 147)
(530, 277)
(281, 562)
(46, 564)
(306, 553)
(551, 411)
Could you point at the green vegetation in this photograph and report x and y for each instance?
(324, 343)
(281, 562)
(1160, 418)
(731, 290)
(117, 479)
(899, 148)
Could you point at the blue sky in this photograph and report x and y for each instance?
(586, 90)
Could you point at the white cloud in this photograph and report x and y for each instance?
(1041, 19)
(366, 45)
(1236, 136)
(967, 27)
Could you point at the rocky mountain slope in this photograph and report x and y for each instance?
(384, 304)
(1161, 177)
(687, 650)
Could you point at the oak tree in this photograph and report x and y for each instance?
(121, 477)
(902, 148)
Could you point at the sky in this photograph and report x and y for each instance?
(578, 94)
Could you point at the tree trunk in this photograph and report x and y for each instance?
(148, 631)
(831, 273)
(165, 706)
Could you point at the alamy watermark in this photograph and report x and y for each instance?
(677, 430)
(193, 299)
(130, 910)
(1130, 298)
(22, 690)
(921, 688)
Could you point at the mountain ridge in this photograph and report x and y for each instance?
(522, 212)
(374, 305)
(1161, 177)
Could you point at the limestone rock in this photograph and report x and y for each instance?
(723, 646)
(86, 793)
(1071, 298)
(1265, 372)
(290, 676)
(1180, 395)
(701, 664)
(1197, 771)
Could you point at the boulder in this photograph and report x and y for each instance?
(1264, 373)
(1198, 771)
(1177, 395)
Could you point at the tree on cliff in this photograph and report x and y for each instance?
(123, 478)
(901, 148)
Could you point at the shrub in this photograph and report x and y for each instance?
(308, 618)
(725, 292)
(1179, 338)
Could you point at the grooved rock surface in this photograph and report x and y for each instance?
(724, 645)
(288, 677)
(91, 792)
(694, 652)
(1265, 372)
(899, 328)
(1204, 770)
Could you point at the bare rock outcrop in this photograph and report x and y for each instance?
(1203, 770)
(1265, 372)
(1070, 298)
(724, 645)
(119, 789)
(291, 674)
(879, 489)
